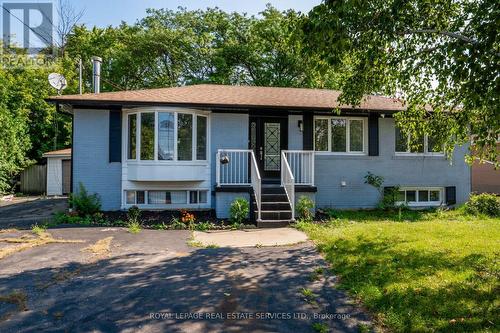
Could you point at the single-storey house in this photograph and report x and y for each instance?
(58, 171)
(202, 146)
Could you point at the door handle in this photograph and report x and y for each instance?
(261, 153)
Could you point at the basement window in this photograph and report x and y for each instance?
(166, 197)
(420, 197)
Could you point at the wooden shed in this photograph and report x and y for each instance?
(58, 171)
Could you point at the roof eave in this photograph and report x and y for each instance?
(103, 104)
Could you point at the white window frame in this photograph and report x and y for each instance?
(418, 203)
(348, 136)
(194, 114)
(128, 134)
(146, 203)
(409, 153)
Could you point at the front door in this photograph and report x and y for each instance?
(268, 137)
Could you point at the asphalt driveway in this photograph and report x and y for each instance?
(23, 212)
(154, 282)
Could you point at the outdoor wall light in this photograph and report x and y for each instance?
(300, 123)
(224, 160)
(343, 183)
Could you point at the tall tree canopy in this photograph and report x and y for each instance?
(442, 55)
(170, 48)
(29, 125)
(166, 48)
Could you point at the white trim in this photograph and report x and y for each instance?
(187, 205)
(194, 114)
(409, 153)
(418, 203)
(364, 152)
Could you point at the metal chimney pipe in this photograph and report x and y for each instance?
(96, 77)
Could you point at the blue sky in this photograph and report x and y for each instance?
(103, 13)
(112, 12)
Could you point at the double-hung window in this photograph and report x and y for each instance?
(340, 135)
(423, 145)
(167, 136)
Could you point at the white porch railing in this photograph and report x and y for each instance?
(288, 182)
(301, 163)
(239, 167)
(256, 183)
(232, 167)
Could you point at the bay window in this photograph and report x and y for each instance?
(147, 136)
(166, 121)
(132, 136)
(167, 136)
(201, 138)
(422, 145)
(184, 137)
(339, 135)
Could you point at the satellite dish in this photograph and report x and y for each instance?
(57, 81)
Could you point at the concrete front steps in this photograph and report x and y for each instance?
(275, 208)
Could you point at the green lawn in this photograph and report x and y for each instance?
(419, 272)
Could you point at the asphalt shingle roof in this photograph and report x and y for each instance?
(233, 96)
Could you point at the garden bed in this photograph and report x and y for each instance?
(160, 220)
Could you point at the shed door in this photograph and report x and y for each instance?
(66, 176)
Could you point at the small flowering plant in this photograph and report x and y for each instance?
(187, 217)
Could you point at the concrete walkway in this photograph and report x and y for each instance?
(250, 237)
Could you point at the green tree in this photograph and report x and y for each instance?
(170, 48)
(30, 126)
(442, 55)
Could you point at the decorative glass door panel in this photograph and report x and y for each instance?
(272, 146)
(267, 137)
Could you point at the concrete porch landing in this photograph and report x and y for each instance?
(250, 237)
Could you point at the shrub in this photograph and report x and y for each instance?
(133, 214)
(484, 203)
(239, 210)
(388, 195)
(304, 207)
(133, 223)
(83, 203)
(389, 198)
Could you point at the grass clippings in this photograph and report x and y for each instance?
(59, 277)
(17, 298)
(8, 231)
(26, 242)
(100, 249)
